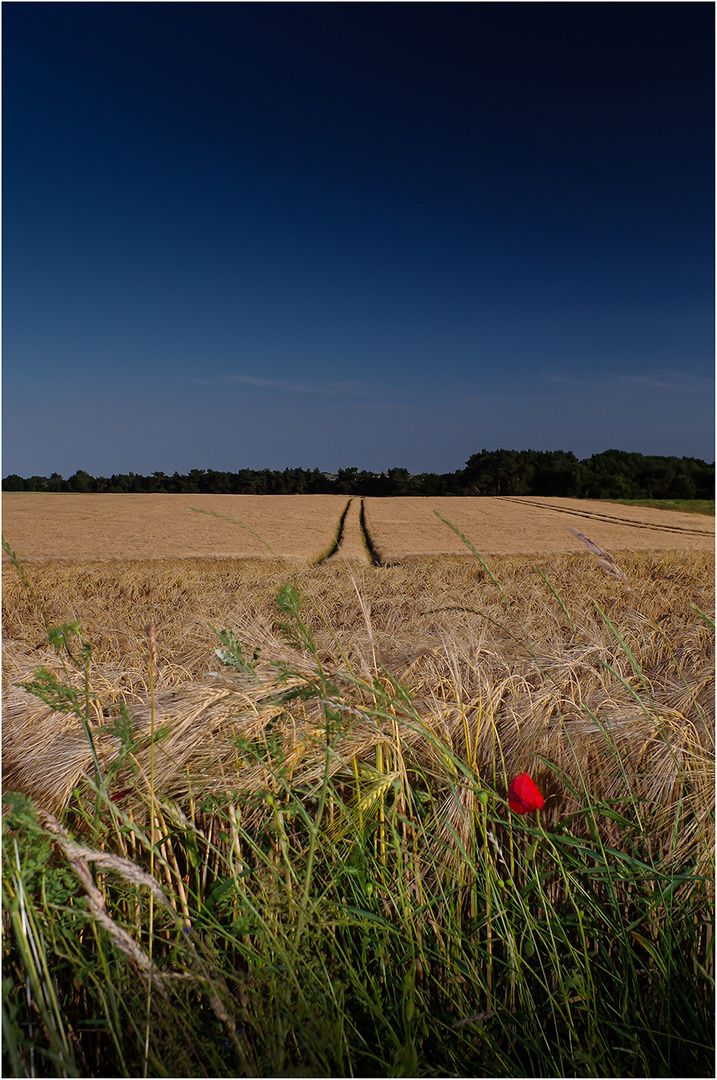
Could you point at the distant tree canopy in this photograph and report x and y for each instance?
(613, 474)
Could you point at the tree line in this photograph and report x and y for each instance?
(614, 474)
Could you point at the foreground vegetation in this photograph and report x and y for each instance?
(289, 849)
(613, 474)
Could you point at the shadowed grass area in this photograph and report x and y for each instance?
(687, 506)
(308, 865)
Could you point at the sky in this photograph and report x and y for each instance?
(270, 235)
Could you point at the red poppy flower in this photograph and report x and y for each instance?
(523, 795)
(120, 794)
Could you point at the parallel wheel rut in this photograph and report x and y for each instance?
(590, 516)
(354, 540)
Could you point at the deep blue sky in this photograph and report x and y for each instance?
(317, 234)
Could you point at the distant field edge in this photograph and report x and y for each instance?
(685, 506)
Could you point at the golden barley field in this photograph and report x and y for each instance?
(515, 525)
(528, 655)
(85, 528)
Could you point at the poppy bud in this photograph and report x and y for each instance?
(523, 795)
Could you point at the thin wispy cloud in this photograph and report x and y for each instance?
(342, 388)
(617, 382)
(471, 392)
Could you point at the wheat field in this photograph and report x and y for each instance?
(330, 736)
(82, 528)
(512, 647)
(520, 660)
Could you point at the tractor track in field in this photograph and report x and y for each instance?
(588, 515)
(353, 537)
